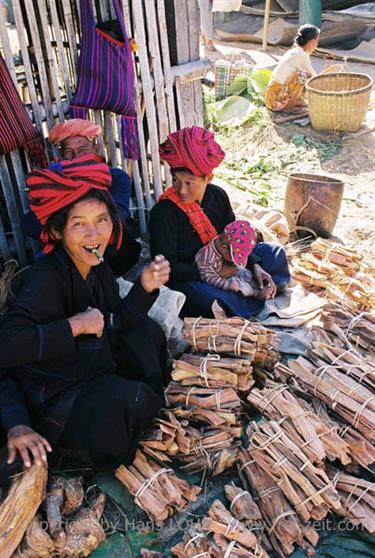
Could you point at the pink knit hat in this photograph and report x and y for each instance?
(241, 237)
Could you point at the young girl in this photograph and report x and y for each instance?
(222, 262)
(287, 83)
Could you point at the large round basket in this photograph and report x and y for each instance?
(312, 204)
(338, 102)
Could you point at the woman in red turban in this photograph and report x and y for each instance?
(74, 369)
(190, 214)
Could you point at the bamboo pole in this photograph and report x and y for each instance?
(163, 31)
(20, 179)
(62, 58)
(4, 248)
(266, 24)
(13, 212)
(7, 50)
(70, 31)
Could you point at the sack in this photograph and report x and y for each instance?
(225, 73)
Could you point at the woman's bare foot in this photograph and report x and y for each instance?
(210, 45)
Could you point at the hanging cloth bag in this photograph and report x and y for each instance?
(16, 129)
(106, 76)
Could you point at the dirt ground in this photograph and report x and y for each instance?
(261, 154)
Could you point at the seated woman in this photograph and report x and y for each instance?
(193, 212)
(81, 366)
(287, 84)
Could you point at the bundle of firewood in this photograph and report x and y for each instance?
(235, 336)
(155, 488)
(357, 498)
(348, 398)
(356, 328)
(220, 534)
(345, 258)
(21, 526)
(225, 399)
(213, 371)
(319, 440)
(282, 527)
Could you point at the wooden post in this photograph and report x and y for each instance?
(266, 24)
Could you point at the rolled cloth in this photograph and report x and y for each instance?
(193, 148)
(72, 128)
(52, 189)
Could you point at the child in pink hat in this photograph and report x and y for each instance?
(222, 262)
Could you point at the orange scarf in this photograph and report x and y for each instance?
(197, 217)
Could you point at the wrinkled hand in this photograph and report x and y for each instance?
(29, 444)
(91, 321)
(264, 281)
(156, 274)
(227, 271)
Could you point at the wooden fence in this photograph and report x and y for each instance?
(41, 53)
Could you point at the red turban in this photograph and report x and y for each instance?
(66, 182)
(74, 127)
(193, 148)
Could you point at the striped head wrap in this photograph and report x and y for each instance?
(193, 148)
(72, 128)
(62, 184)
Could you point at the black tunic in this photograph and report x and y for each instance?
(42, 365)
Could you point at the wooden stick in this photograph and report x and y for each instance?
(266, 24)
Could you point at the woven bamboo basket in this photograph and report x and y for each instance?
(338, 102)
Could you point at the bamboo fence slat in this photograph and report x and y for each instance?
(61, 53)
(7, 51)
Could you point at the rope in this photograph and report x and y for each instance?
(246, 464)
(188, 395)
(237, 497)
(237, 343)
(229, 549)
(202, 373)
(361, 496)
(212, 339)
(285, 514)
(147, 483)
(231, 526)
(310, 199)
(197, 536)
(357, 416)
(193, 332)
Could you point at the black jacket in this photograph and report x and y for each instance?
(41, 364)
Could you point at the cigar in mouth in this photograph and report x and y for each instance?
(97, 254)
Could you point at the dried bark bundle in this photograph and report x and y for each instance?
(236, 336)
(351, 328)
(242, 504)
(213, 371)
(303, 425)
(194, 543)
(85, 533)
(357, 497)
(306, 486)
(73, 495)
(346, 258)
(36, 543)
(20, 506)
(349, 399)
(53, 504)
(156, 489)
(203, 398)
(221, 522)
(208, 417)
(283, 528)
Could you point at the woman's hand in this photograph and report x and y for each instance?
(28, 443)
(89, 322)
(156, 274)
(264, 281)
(227, 271)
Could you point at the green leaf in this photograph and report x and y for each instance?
(108, 483)
(237, 86)
(234, 111)
(259, 80)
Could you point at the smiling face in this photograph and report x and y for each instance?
(77, 146)
(88, 227)
(189, 187)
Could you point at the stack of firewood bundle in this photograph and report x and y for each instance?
(282, 527)
(357, 497)
(348, 398)
(221, 533)
(155, 488)
(356, 328)
(319, 439)
(213, 371)
(345, 258)
(73, 531)
(235, 336)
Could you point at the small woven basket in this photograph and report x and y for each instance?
(338, 102)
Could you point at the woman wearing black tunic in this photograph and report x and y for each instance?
(80, 367)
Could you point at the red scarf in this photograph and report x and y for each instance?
(197, 217)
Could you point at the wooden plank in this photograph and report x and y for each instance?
(192, 71)
(38, 53)
(7, 49)
(50, 64)
(148, 97)
(182, 37)
(71, 34)
(166, 65)
(20, 179)
(101, 143)
(62, 58)
(111, 140)
(194, 22)
(14, 216)
(27, 65)
(139, 196)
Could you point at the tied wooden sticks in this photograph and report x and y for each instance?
(156, 489)
(235, 336)
(213, 371)
(345, 258)
(351, 328)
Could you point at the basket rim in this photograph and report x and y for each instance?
(340, 93)
(311, 177)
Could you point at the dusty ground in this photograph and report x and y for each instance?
(261, 154)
